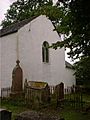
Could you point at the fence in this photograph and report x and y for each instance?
(37, 92)
(52, 89)
(72, 95)
(67, 90)
(5, 92)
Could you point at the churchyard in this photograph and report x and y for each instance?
(71, 103)
(39, 101)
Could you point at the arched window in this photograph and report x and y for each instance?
(45, 52)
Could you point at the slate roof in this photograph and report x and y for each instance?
(15, 27)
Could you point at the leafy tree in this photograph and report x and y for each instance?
(23, 9)
(75, 26)
(70, 18)
(83, 72)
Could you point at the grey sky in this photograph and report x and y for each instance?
(4, 5)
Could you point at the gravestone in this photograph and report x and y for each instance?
(17, 82)
(17, 78)
(5, 114)
(36, 93)
(59, 91)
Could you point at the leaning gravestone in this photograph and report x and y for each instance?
(32, 115)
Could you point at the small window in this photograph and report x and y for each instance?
(45, 52)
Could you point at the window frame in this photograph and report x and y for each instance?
(45, 52)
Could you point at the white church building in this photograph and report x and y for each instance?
(28, 41)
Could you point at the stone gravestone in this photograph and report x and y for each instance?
(5, 114)
(36, 93)
(59, 91)
(17, 76)
(17, 80)
(25, 85)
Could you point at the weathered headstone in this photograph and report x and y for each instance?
(25, 85)
(5, 114)
(17, 82)
(59, 91)
(37, 92)
(17, 78)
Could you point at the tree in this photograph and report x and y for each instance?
(75, 26)
(23, 9)
(83, 72)
(70, 18)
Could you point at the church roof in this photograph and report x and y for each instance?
(68, 65)
(15, 27)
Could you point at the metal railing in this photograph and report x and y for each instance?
(5, 92)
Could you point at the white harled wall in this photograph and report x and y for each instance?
(8, 58)
(29, 40)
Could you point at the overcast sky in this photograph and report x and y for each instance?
(4, 5)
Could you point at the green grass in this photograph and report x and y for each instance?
(86, 98)
(67, 112)
(15, 108)
(70, 114)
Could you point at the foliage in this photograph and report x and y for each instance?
(83, 72)
(70, 18)
(23, 9)
(15, 107)
(75, 26)
(67, 112)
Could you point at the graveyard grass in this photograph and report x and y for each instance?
(67, 112)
